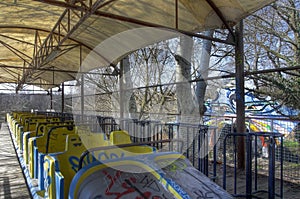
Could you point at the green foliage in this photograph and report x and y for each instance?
(291, 144)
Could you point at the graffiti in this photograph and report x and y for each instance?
(138, 186)
(205, 188)
(178, 188)
(150, 183)
(204, 194)
(254, 105)
(127, 185)
(74, 160)
(172, 165)
(47, 177)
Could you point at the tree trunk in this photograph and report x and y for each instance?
(185, 101)
(188, 112)
(127, 99)
(202, 72)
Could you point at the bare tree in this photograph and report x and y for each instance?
(152, 70)
(272, 41)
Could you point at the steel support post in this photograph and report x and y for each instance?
(82, 97)
(121, 84)
(62, 98)
(51, 99)
(81, 86)
(240, 93)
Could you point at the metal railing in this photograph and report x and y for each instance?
(252, 164)
(270, 149)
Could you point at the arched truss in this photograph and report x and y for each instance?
(37, 36)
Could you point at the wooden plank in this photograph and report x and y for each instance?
(12, 181)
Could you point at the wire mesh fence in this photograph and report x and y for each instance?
(290, 144)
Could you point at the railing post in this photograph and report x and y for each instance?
(271, 178)
(281, 166)
(224, 162)
(215, 155)
(249, 166)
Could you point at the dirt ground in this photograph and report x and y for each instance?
(290, 190)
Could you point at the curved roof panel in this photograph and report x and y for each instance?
(43, 35)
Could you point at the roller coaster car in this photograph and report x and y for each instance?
(76, 163)
(157, 175)
(74, 174)
(60, 168)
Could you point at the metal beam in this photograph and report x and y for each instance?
(247, 73)
(15, 51)
(43, 30)
(7, 89)
(51, 47)
(14, 74)
(15, 39)
(31, 83)
(297, 67)
(55, 70)
(221, 16)
(131, 20)
(51, 99)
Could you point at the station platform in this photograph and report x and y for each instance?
(12, 180)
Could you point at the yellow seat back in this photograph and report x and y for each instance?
(66, 167)
(119, 137)
(40, 128)
(52, 141)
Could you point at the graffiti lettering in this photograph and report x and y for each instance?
(178, 189)
(113, 179)
(150, 183)
(74, 160)
(120, 184)
(172, 165)
(204, 194)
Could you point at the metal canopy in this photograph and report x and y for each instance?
(57, 34)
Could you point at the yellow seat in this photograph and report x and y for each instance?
(24, 119)
(119, 137)
(18, 122)
(30, 126)
(53, 140)
(90, 139)
(39, 131)
(60, 168)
